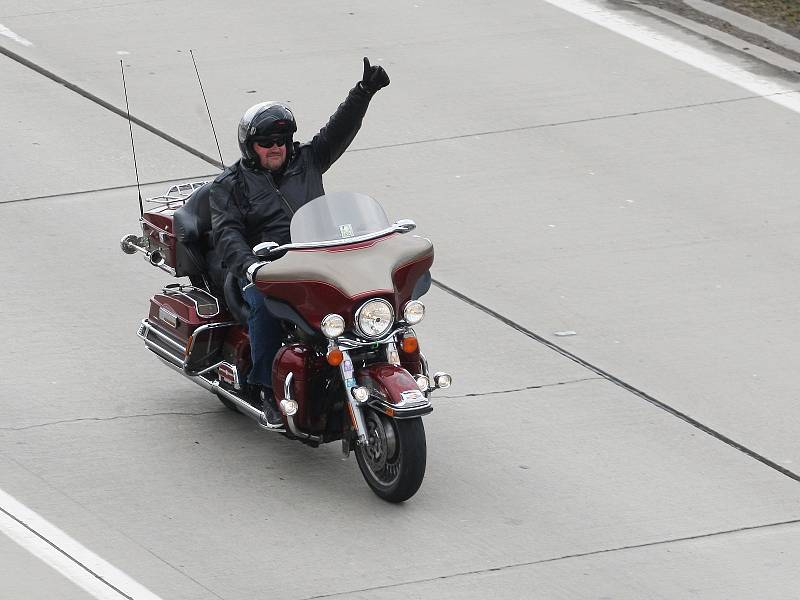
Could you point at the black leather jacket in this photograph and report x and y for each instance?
(248, 208)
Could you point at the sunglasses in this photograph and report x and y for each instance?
(273, 141)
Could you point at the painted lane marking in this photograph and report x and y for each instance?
(11, 35)
(781, 94)
(67, 556)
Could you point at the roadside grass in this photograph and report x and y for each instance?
(781, 14)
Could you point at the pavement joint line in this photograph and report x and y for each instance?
(107, 105)
(579, 121)
(114, 418)
(531, 563)
(619, 382)
(210, 160)
(107, 189)
(80, 9)
(522, 389)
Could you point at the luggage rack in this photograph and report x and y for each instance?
(177, 194)
(206, 305)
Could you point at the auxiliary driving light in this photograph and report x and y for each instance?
(413, 312)
(289, 407)
(360, 393)
(442, 380)
(332, 326)
(422, 383)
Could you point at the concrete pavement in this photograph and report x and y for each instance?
(570, 178)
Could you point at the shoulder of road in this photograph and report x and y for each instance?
(731, 28)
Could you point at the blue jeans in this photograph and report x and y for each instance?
(265, 336)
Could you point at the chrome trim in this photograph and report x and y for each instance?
(348, 378)
(164, 353)
(326, 319)
(389, 337)
(168, 317)
(165, 268)
(287, 395)
(213, 386)
(356, 317)
(401, 226)
(202, 329)
(287, 386)
(237, 385)
(131, 244)
(207, 369)
(423, 362)
(148, 327)
(405, 307)
(405, 225)
(128, 247)
(436, 377)
(180, 290)
(392, 353)
(398, 411)
(176, 193)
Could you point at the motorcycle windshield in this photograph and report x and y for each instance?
(337, 216)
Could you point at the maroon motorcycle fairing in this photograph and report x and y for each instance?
(306, 366)
(394, 388)
(321, 281)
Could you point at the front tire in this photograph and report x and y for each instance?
(393, 460)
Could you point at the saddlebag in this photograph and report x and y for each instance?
(185, 325)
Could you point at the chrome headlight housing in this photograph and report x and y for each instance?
(332, 326)
(413, 312)
(374, 318)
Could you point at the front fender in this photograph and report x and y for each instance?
(393, 391)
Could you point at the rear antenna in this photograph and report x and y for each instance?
(210, 120)
(133, 148)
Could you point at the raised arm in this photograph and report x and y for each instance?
(333, 139)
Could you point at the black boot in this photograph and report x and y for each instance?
(272, 416)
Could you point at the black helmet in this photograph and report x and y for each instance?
(262, 120)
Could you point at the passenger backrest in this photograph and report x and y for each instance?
(192, 227)
(193, 220)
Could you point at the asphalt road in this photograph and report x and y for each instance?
(571, 179)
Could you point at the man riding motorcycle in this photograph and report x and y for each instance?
(253, 200)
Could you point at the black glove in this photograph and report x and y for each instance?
(374, 78)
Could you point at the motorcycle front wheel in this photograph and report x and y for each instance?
(393, 459)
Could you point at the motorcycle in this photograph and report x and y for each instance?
(346, 291)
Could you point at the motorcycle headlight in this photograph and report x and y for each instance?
(374, 318)
(413, 312)
(332, 326)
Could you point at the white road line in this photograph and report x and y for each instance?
(17, 38)
(75, 562)
(782, 94)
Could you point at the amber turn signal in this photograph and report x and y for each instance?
(409, 344)
(335, 357)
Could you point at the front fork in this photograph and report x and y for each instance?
(354, 408)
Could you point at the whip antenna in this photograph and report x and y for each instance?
(210, 120)
(133, 148)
